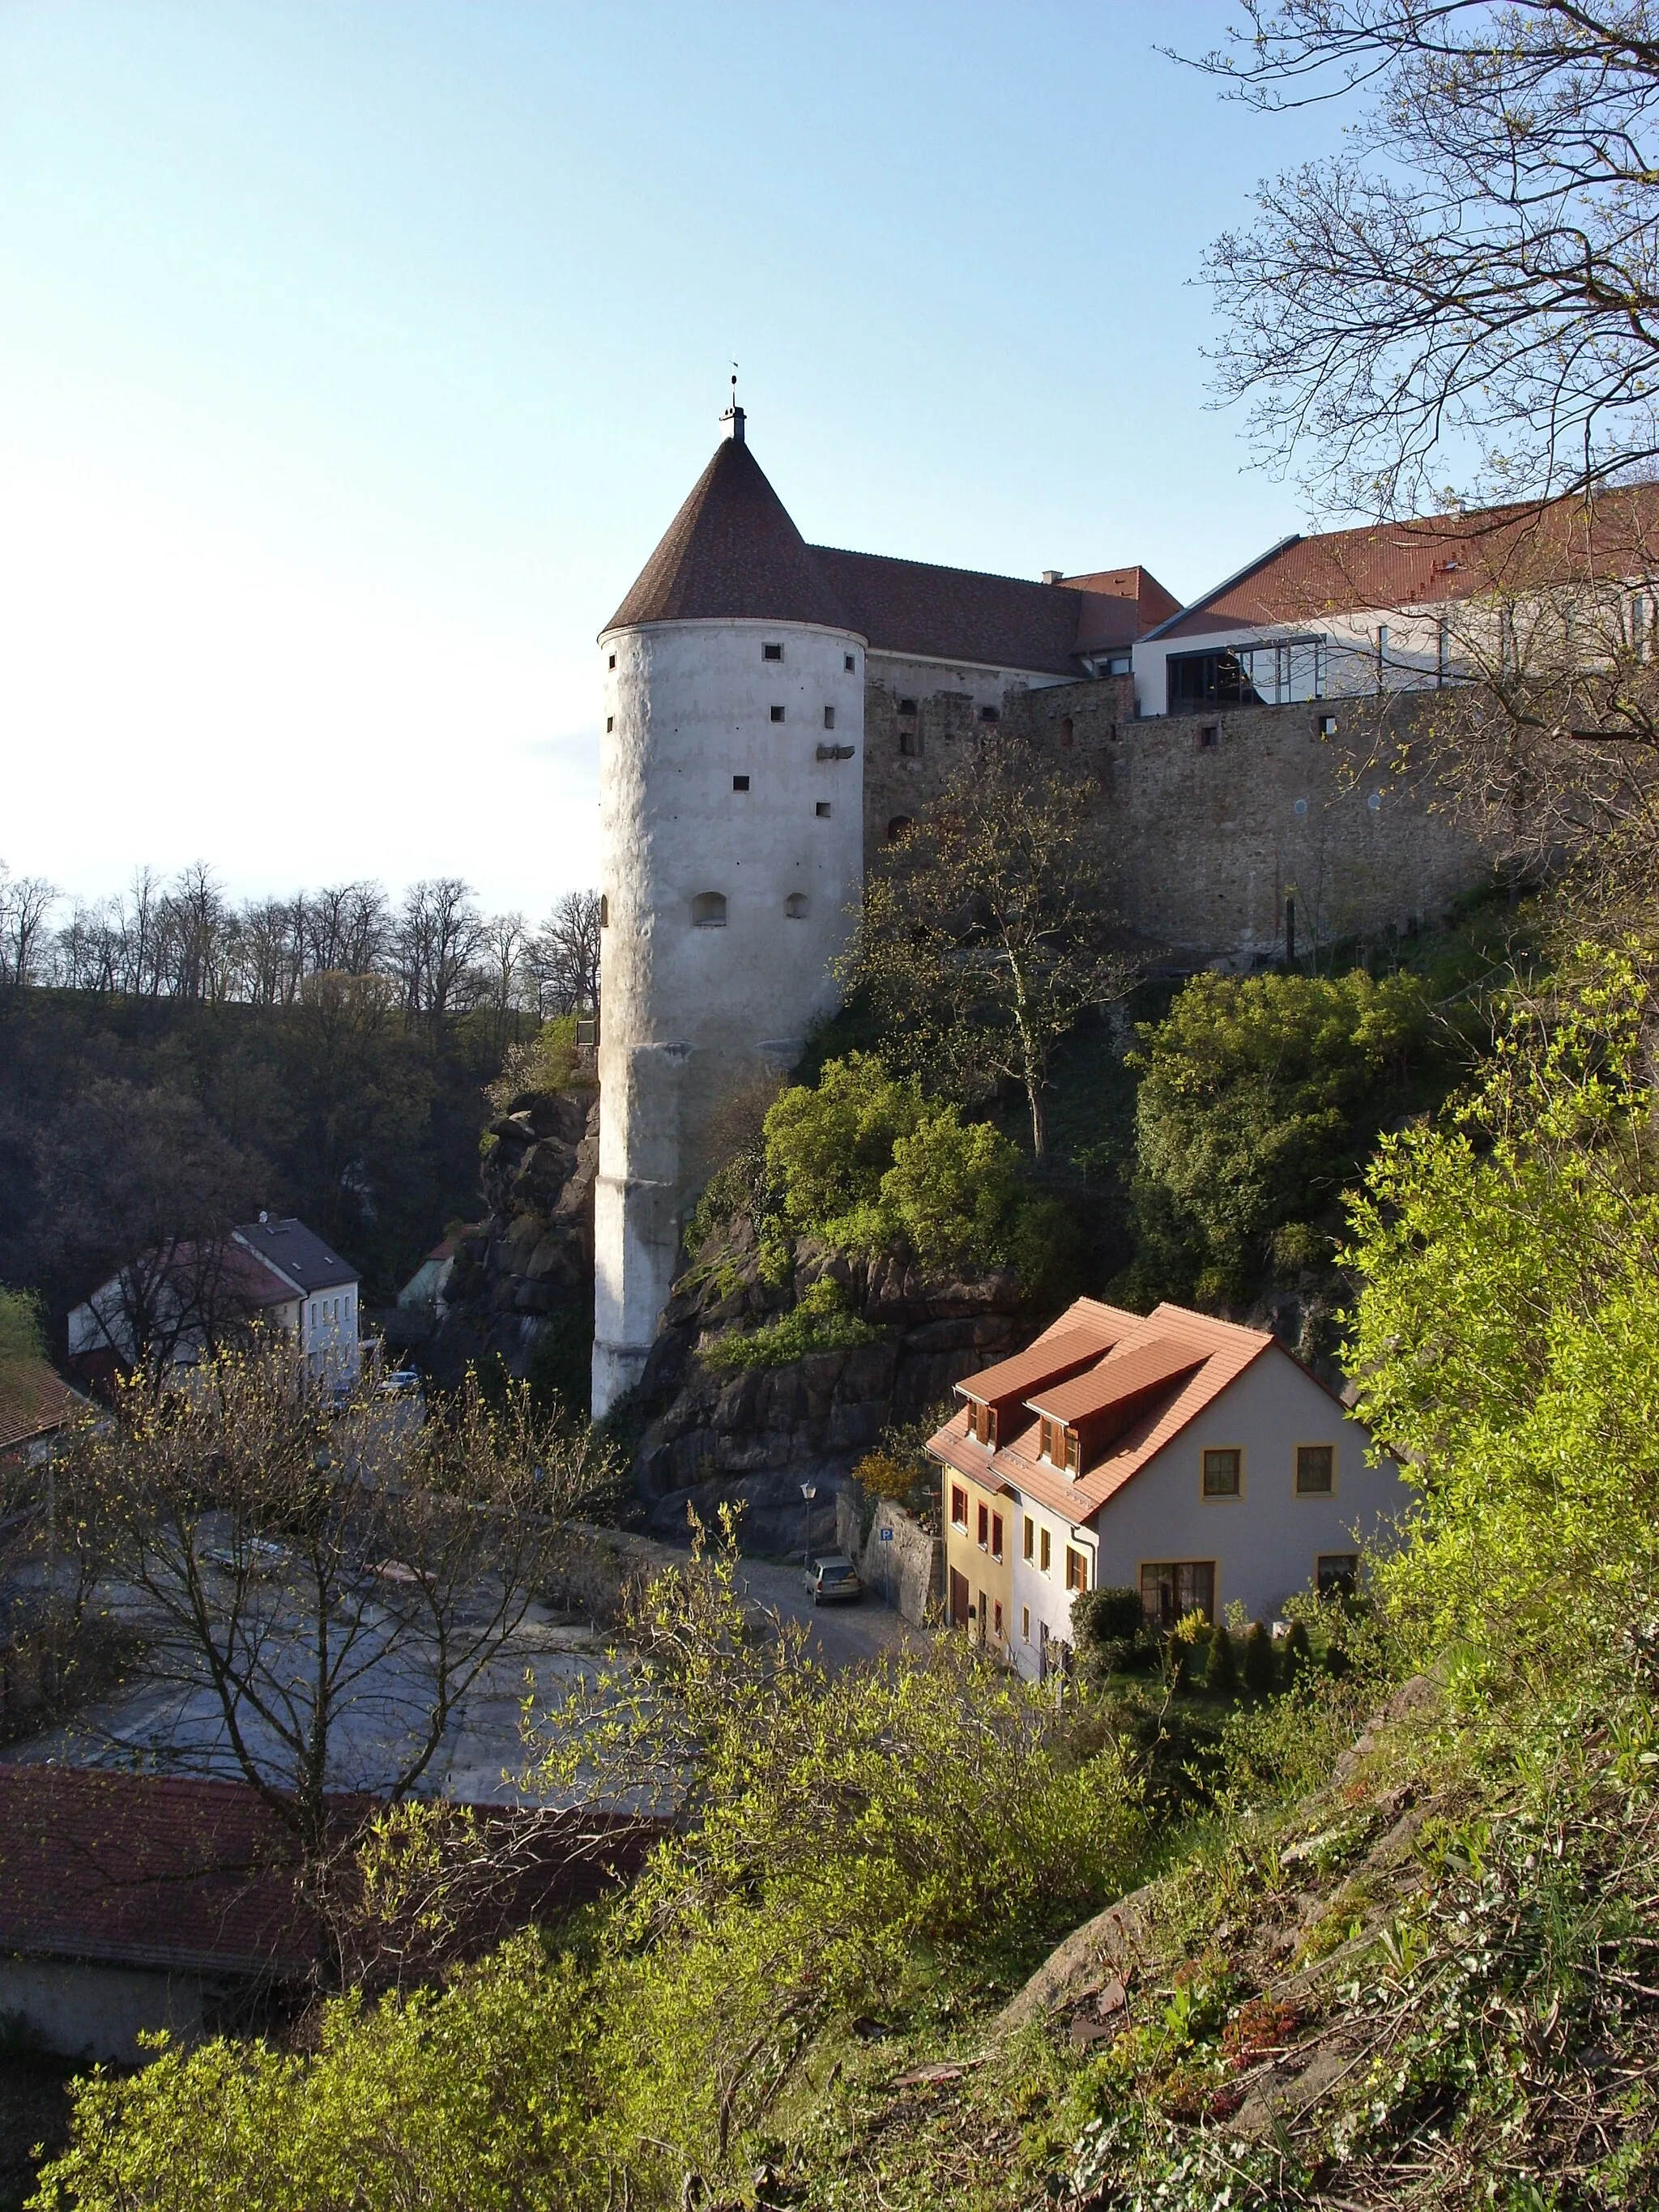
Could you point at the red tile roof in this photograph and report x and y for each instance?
(138, 1870)
(732, 552)
(1220, 1352)
(33, 1402)
(1125, 1373)
(1054, 1354)
(1433, 559)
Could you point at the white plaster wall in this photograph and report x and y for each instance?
(689, 1013)
(1045, 1595)
(1266, 1541)
(329, 1337)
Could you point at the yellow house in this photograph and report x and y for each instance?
(979, 1517)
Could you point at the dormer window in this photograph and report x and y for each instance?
(982, 1424)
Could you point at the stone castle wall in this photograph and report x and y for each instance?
(1217, 819)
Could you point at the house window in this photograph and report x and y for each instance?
(899, 827)
(989, 715)
(985, 1528)
(777, 714)
(795, 906)
(829, 718)
(996, 1619)
(1209, 736)
(1025, 1623)
(1077, 1570)
(824, 810)
(850, 664)
(996, 1535)
(739, 783)
(1337, 1573)
(1043, 1551)
(958, 1507)
(1030, 1537)
(1224, 1471)
(983, 1422)
(1172, 1588)
(1315, 1470)
(771, 653)
(708, 910)
(1072, 1450)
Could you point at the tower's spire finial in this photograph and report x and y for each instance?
(731, 421)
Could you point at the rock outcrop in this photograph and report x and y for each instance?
(753, 1435)
(527, 1272)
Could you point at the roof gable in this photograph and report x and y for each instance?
(1174, 1361)
(732, 554)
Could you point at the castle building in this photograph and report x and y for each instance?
(775, 711)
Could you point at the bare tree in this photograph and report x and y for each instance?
(988, 931)
(142, 1190)
(565, 957)
(1473, 285)
(319, 1586)
(504, 947)
(439, 934)
(347, 929)
(24, 904)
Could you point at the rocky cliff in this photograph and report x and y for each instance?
(753, 1435)
(522, 1283)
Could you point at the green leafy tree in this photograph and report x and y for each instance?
(1258, 1100)
(829, 1145)
(1221, 1669)
(989, 930)
(1260, 1669)
(1506, 1341)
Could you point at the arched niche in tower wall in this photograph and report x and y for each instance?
(708, 910)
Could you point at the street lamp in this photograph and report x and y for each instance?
(809, 1490)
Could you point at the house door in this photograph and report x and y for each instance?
(959, 1599)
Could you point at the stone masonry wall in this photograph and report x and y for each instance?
(1217, 819)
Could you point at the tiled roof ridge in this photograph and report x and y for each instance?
(951, 568)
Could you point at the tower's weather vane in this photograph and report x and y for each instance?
(734, 384)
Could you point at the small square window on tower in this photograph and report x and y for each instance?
(824, 810)
(612, 661)
(777, 714)
(989, 715)
(739, 783)
(829, 718)
(771, 653)
(610, 724)
(850, 664)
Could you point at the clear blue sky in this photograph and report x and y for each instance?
(353, 357)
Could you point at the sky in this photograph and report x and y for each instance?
(354, 356)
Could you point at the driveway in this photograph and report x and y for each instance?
(842, 1633)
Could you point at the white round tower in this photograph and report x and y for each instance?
(732, 814)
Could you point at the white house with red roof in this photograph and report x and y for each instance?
(1188, 1458)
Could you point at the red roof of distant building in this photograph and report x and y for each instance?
(34, 1401)
(1433, 559)
(140, 1870)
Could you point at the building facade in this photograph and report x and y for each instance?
(1184, 1457)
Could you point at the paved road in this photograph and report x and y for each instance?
(173, 1726)
(844, 1633)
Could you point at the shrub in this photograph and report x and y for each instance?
(1260, 1672)
(820, 1322)
(1107, 1616)
(1257, 1103)
(546, 1061)
(1221, 1672)
(827, 1148)
(1297, 1655)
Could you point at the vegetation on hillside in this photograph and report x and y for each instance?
(1425, 1977)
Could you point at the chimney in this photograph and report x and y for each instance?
(1052, 575)
(732, 424)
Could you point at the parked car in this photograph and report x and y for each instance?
(832, 1577)
(402, 1382)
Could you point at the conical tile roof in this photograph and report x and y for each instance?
(732, 552)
